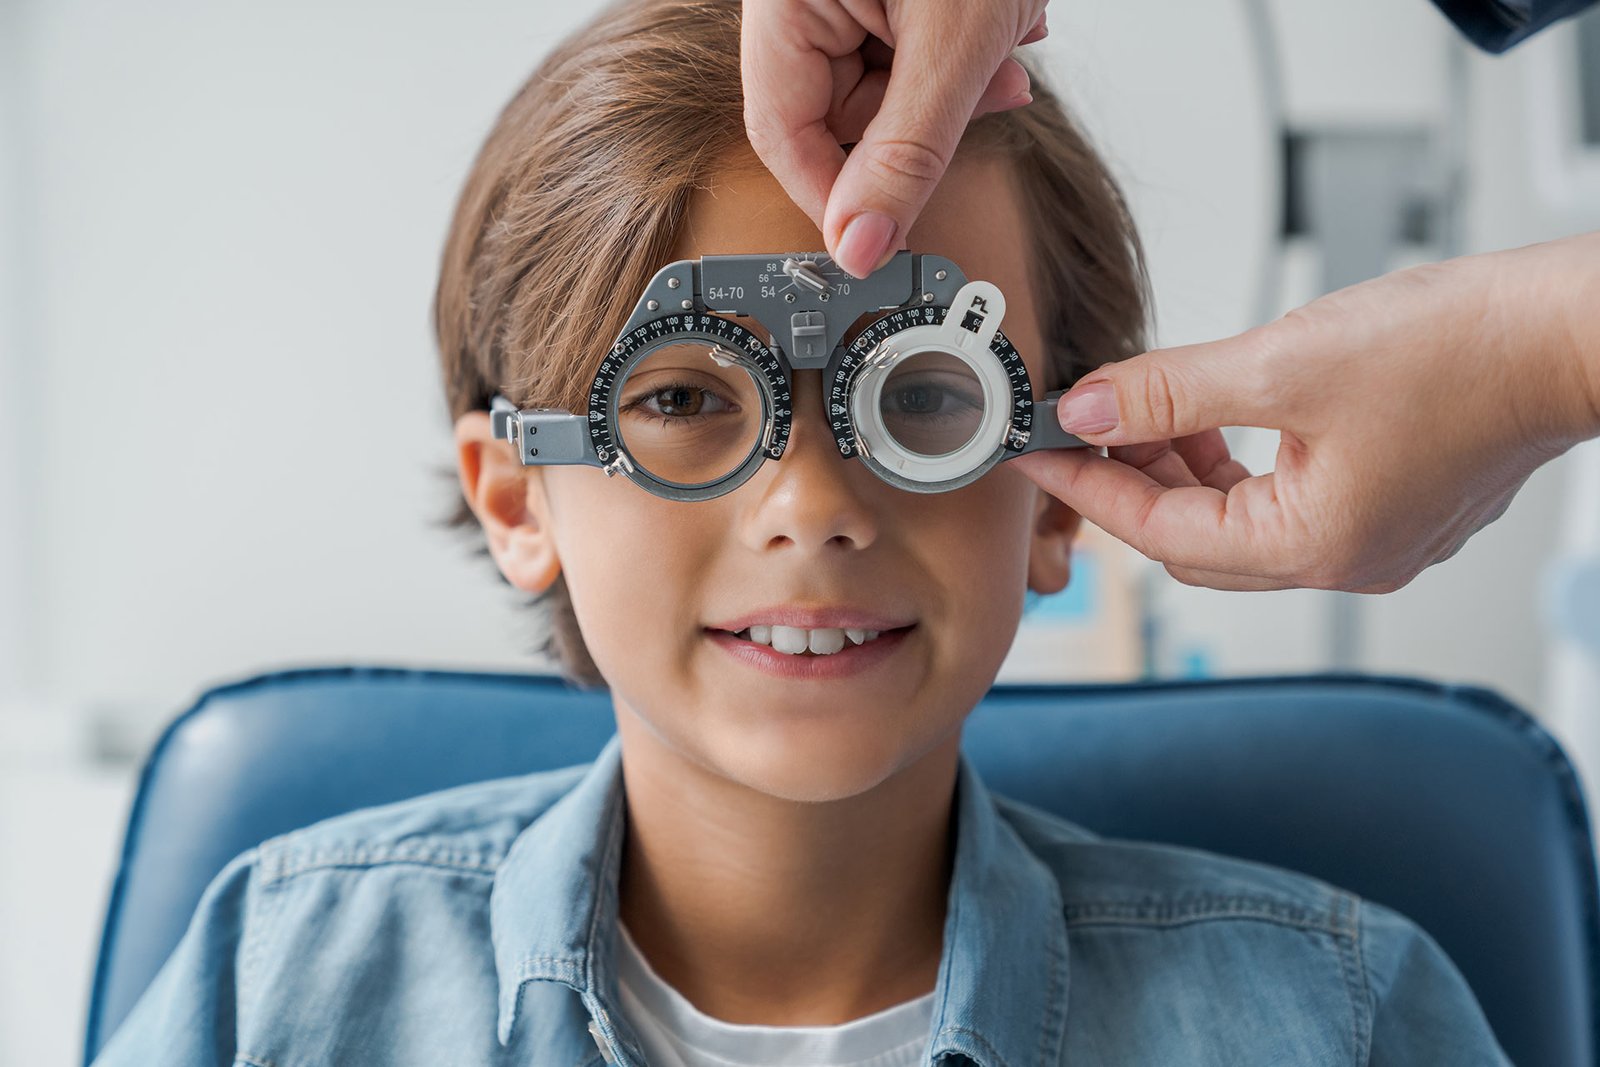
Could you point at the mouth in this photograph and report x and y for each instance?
(801, 641)
(810, 652)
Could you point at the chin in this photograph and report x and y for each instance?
(816, 763)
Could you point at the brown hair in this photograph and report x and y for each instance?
(577, 197)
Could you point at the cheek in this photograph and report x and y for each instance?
(977, 539)
(633, 565)
(1001, 504)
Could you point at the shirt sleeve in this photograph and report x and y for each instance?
(1496, 25)
(1423, 1011)
(188, 1015)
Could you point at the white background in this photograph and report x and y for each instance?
(220, 409)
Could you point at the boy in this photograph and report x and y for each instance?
(782, 856)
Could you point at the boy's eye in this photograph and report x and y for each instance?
(685, 400)
(918, 399)
(925, 399)
(930, 411)
(930, 394)
(678, 401)
(687, 430)
(677, 384)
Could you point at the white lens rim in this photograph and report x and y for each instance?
(884, 451)
(977, 301)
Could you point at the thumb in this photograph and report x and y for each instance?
(1174, 392)
(889, 175)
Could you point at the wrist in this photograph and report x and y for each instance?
(1575, 272)
(1556, 289)
(1583, 326)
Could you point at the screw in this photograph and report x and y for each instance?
(789, 297)
(927, 298)
(941, 275)
(673, 283)
(652, 304)
(687, 304)
(822, 297)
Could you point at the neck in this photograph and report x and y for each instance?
(761, 910)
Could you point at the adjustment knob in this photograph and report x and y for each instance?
(804, 271)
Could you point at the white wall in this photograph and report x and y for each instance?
(14, 553)
(239, 211)
(221, 223)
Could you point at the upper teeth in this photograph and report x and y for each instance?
(795, 639)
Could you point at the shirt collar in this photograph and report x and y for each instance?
(1001, 995)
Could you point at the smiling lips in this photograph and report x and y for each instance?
(823, 641)
(812, 653)
(797, 631)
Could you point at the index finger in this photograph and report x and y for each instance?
(786, 53)
(1196, 527)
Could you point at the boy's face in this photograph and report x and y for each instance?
(656, 584)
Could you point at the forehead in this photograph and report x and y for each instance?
(973, 218)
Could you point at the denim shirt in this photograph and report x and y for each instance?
(478, 926)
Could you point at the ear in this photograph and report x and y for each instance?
(1055, 528)
(510, 503)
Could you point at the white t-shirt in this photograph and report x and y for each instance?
(677, 1034)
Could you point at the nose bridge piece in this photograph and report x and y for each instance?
(809, 412)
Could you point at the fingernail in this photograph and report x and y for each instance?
(865, 243)
(1020, 99)
(1091, 409)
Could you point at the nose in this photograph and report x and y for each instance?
(812, 499)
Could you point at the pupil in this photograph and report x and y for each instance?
(919, 400)
(679, 400)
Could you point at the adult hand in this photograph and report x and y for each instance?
(1412, 408)
(900, 78)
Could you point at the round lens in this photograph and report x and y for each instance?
(689, 413)
(932, 403)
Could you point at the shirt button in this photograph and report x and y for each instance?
(600, 1040)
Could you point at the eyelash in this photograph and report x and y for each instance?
(637, 405)
(953, 394)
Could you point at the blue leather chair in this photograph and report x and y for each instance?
(1444, 802)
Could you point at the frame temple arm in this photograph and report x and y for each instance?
(1047, 431)
(543, 435)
